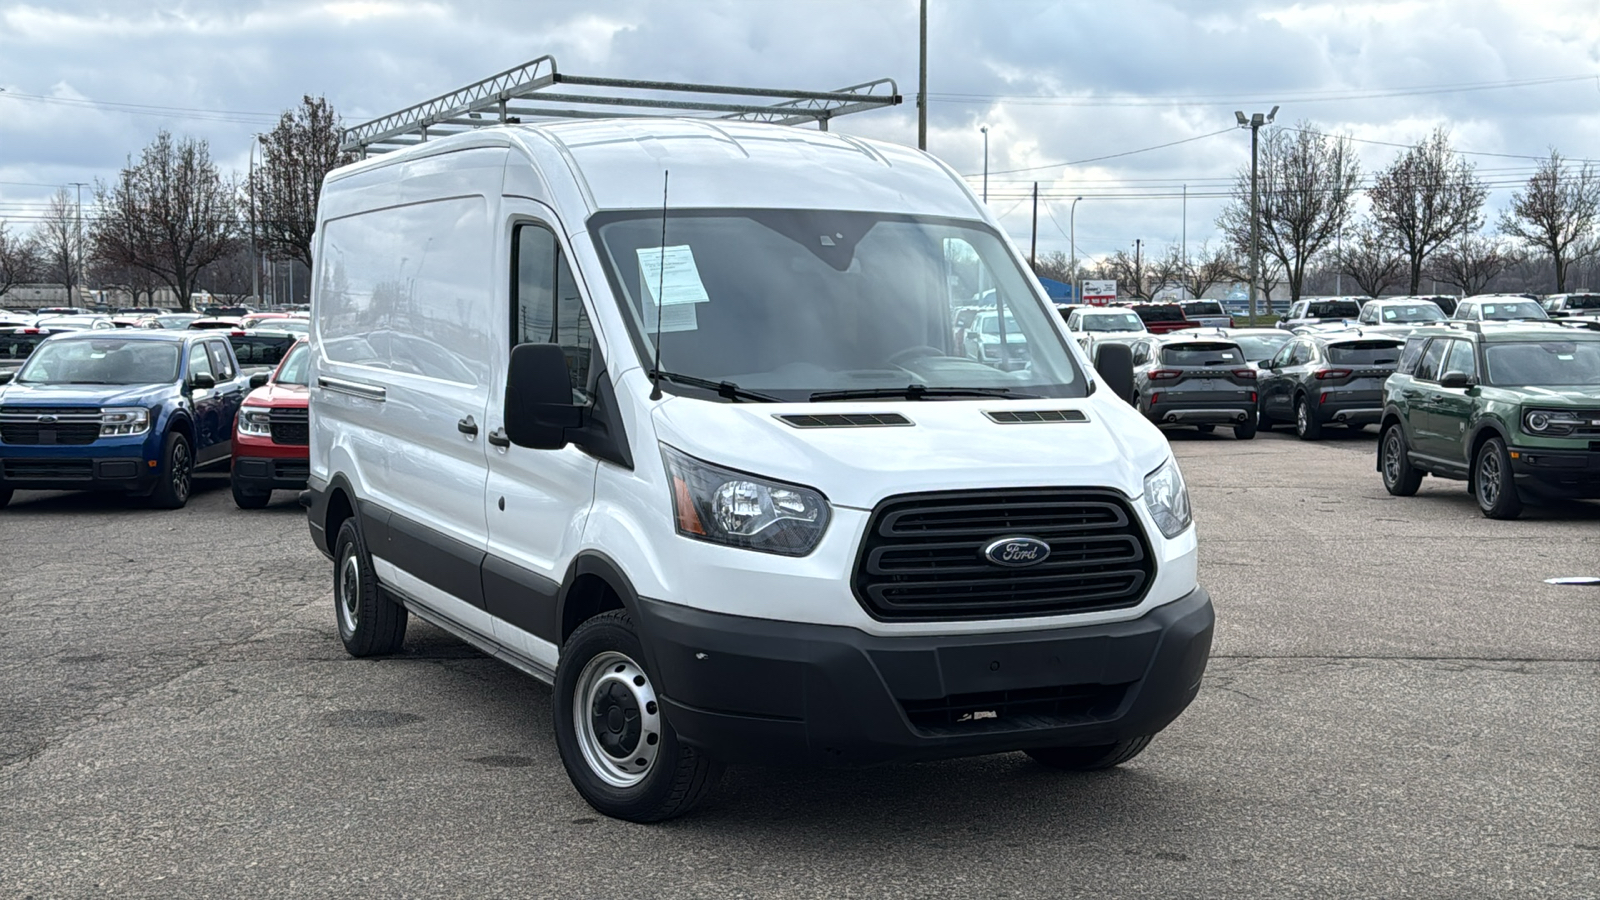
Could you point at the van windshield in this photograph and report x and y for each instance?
(794, 302)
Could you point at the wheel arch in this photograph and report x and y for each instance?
(1482, 432)
(594, 584)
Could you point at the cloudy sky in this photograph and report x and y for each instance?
(87, 82)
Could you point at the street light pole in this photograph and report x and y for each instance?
(1183, 290)
(1254, 123)
(1072, 241)
(255, 259)
(77, 248)
(985, 130)
(922, 79)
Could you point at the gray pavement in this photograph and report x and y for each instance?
(1397, 707)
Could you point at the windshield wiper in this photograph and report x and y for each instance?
(916, 392)
(724, 389)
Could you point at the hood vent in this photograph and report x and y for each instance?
(1034, 416)
(845, 420)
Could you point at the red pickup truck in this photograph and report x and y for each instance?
(1161, 318)
(272, 434)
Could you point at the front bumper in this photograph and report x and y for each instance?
(258, 474)
(76, 473)
(1557, 473)
(764, 691)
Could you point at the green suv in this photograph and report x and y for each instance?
(1513, 409)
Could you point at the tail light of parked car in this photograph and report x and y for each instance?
(1246, 374)
(1165, 374)
(1325, 374)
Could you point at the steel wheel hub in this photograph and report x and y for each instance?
(349, 592)
(617, 719)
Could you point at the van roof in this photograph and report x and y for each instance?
(716, 163)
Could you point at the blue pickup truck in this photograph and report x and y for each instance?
(135, 412)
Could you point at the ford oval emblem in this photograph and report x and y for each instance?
(1016, 551)
(46, 420)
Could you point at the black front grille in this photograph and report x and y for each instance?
(290, 426)
(923, 555)
(1031, 708)
(49, 469)
(55, 433)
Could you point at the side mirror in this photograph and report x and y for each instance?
(1114, 362)
(5, 377)
(259, 379)
(1457, 380)
(539, 410)
(202, 381)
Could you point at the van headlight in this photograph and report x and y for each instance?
(122, 422)
(1167, 498)
(256, 422)
(718, 505)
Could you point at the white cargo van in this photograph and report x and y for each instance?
(717, 470)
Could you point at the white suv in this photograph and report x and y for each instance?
(716, 468)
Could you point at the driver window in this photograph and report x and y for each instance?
(1428, 369)
(1461, 359)
(1141, 353)
(546, 307)
(199, 361)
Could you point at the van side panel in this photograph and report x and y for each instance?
(405, 324)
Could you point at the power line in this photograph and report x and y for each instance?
(145, 109)
(1079, 162)
(1411, 146)
(1233, 98)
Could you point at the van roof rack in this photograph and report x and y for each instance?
(518, 94)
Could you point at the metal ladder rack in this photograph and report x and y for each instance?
(520, 93)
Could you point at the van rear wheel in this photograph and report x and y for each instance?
(1088, 759)
(370, 624)
(615, 741)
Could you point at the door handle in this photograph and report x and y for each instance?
(499, 438)
(468, 427)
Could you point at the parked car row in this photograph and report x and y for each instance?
(140, 411)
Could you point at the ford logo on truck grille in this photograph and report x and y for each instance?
(1016, 551)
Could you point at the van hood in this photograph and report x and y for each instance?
(950, 445)
(83, 394)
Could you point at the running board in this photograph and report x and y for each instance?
(474, 637)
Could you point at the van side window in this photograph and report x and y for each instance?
(545, 305)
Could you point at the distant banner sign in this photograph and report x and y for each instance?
(1099, 293)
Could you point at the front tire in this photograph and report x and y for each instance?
(246, 499)
(370, 624)
(175, 480)
(1492, 482)
(1306, 426)
(615, 741)
(1400, 478)
(1089, 759)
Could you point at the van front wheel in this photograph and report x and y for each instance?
(618, 748)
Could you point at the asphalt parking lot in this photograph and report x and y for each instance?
(1397, 707)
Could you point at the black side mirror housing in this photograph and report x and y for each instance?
(5, 377)
(1114, 362)
(259, 379)
(1457, 380)
(539, 411)
(202, 381)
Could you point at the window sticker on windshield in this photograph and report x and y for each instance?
(677, 275)
(677, 318)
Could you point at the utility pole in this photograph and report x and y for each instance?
(1138, 269)
(922, 80)
(985, 130)
(1183, 291)
(1338, 256)
(255, 260)
(1033, 247)
(1072, 238)
(77, 247)
(1254, 123)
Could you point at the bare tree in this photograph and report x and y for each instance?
(1129, 272)
(1469, 263)
(171, 214)
(18, 260)
(137, 283)
(1427, 197)
(1054, 264)
(56, 241)
(1306, 183)
(1210, 268)
(295, 155)
(1558, 212)
(1167, 270)
(1371, 259)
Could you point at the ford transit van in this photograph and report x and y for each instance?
(670, 414)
